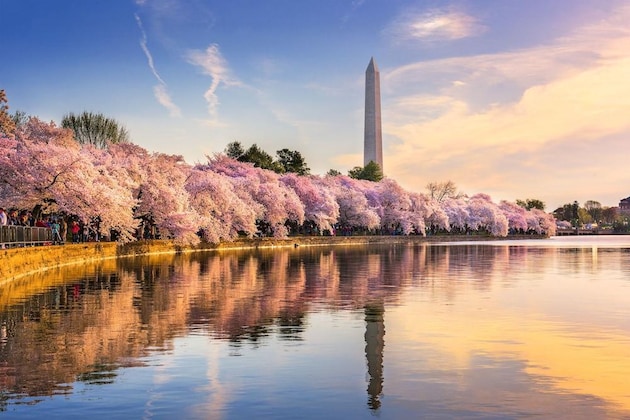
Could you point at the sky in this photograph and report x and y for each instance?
(516, 99)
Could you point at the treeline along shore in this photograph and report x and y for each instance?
(20, 262)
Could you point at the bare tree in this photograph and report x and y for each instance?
(594, 208)
(441, 190)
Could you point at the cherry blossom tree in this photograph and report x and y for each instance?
(107, 199)
(157, 182)
(563, 224)
(12, 189)
(134, 161)
(432, 212)
(223, 214)
(354, 210)
(7, 125)
(320, 206)
(277, 202)
(164, 199)
(533, 220)
(456, 210)
(516, 216)
(123, 184)
(392, 204)
(40, 157)
(485, 215)
(546, 222)
(44, 166)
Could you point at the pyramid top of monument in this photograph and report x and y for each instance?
(372, 66)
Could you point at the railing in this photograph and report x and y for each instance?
(19, 236)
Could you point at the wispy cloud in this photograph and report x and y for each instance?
(354, 6)
(164, 99)
(435, 25)
(213, 64)
(160, 90)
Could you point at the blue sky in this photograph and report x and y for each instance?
(512, 98)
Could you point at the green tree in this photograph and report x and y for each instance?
(333, 172)
(371, 172)
(621, 224)
(292, 161)
(584, 217)
(95, 129)
(288, 160)
(569, 212)
(260, 159)
(609, 215)
(356, 172)
(560, 213)
(235, 150)
(531, 203)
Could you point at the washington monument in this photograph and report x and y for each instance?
(373, 136)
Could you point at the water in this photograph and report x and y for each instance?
(505, 329)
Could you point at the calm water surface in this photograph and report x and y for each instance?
(506, 329)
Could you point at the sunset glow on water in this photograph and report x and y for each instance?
(506, 329)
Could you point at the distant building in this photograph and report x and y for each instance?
(624, 206)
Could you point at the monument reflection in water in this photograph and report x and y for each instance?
(505, 330)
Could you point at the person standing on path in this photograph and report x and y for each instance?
(3, 222)
(75, 228)
(55, 231)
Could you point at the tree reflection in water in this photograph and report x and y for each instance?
(82, 326)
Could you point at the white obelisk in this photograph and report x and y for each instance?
(373, 136)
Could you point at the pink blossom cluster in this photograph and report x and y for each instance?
(223, 198)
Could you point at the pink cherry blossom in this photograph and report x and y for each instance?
(123, 184)
(320, 206)
(516, 216)
(277, 202)
(456, 210)
(222, 213)
(354, 210)
(484, 214)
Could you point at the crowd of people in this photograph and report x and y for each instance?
(64, 229)
(15, 218)
(68, 228)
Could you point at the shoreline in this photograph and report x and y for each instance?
(20, 262)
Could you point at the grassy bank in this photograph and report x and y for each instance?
(19, 262)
